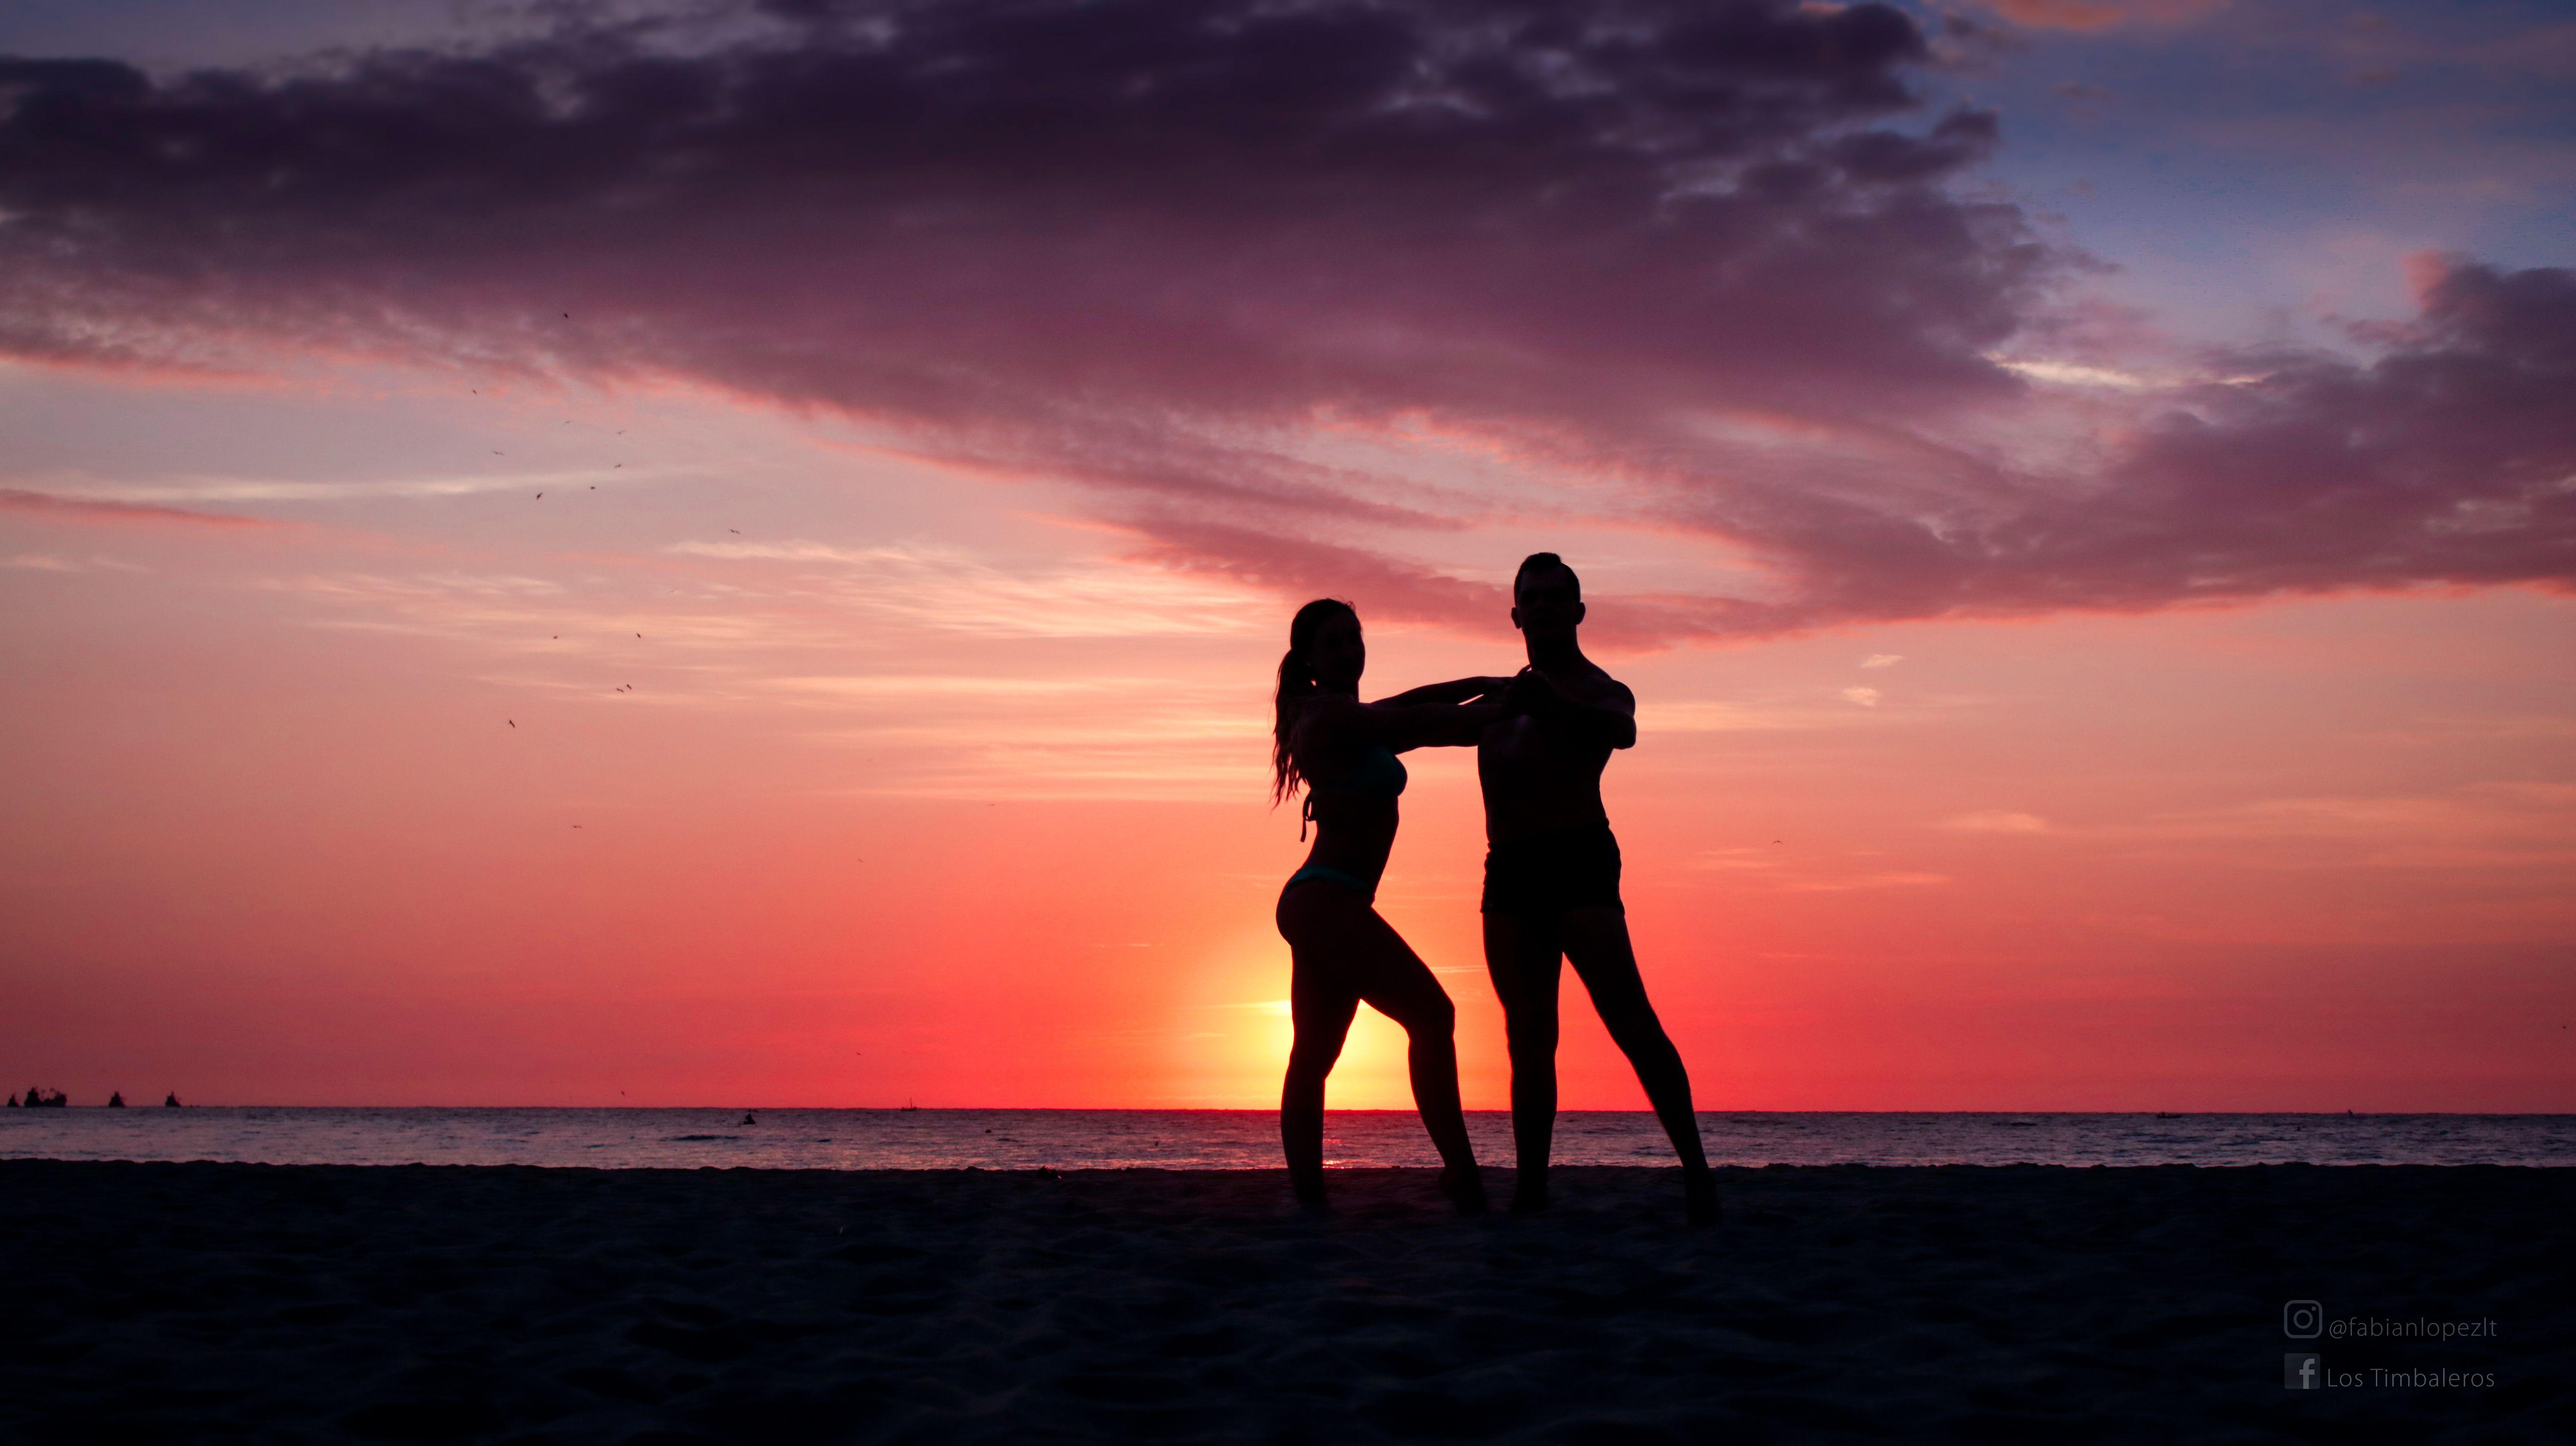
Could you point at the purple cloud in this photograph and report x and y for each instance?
(2451, 458)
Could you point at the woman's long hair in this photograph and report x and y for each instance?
(1296, 685)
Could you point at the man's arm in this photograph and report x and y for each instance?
(1603, 712)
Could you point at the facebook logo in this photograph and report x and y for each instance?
(2302, 1370)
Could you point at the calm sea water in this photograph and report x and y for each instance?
(1244, 1139)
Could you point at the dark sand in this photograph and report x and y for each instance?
(280, 1304)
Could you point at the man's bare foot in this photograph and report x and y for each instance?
(1465, 1188)
(1529, 1198)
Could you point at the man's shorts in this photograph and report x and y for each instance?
(1540, 876)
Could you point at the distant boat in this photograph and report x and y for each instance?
(172, 1102)
(909, 1105)
(116, 1099)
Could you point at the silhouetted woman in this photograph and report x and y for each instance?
(1343, 752)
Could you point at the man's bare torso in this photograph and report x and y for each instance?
(1541, 771)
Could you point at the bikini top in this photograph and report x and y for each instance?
(1378, 774)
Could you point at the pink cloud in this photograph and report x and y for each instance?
(2100, 14)
(48, 507)
(1394, 589)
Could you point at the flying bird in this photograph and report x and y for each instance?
(541, 497)
(513, 722)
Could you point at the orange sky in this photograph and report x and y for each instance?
(743, 562)
(923, 793)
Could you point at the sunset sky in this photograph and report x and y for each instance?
(734, 554)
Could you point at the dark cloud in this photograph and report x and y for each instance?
(1005, 215)
(1148, 245)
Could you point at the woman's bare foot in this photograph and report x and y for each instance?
(1529, 1197)
(1309, 1189)
(1699, 1196)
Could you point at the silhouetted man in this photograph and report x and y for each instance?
(1552, 881)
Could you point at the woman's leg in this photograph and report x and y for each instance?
(1344, 951)
(1321, 1008)
(1414, 999)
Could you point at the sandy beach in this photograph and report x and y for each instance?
(157, 1302)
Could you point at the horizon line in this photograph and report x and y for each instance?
(1273, 1110)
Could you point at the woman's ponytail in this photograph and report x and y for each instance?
(1296, 685)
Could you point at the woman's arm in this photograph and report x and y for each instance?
(1431, 725)
(1457, 690)
(1337, 730)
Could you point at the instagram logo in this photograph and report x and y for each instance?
(2303, 1320)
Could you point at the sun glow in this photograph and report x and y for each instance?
(1231, 1051)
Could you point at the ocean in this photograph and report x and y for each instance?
(942, 1139)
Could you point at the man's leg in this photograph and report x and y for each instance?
(1524, 964)
(1596, 943)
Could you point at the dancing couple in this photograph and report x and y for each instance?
(1542, 738)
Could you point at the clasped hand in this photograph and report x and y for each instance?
(1529, 691)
